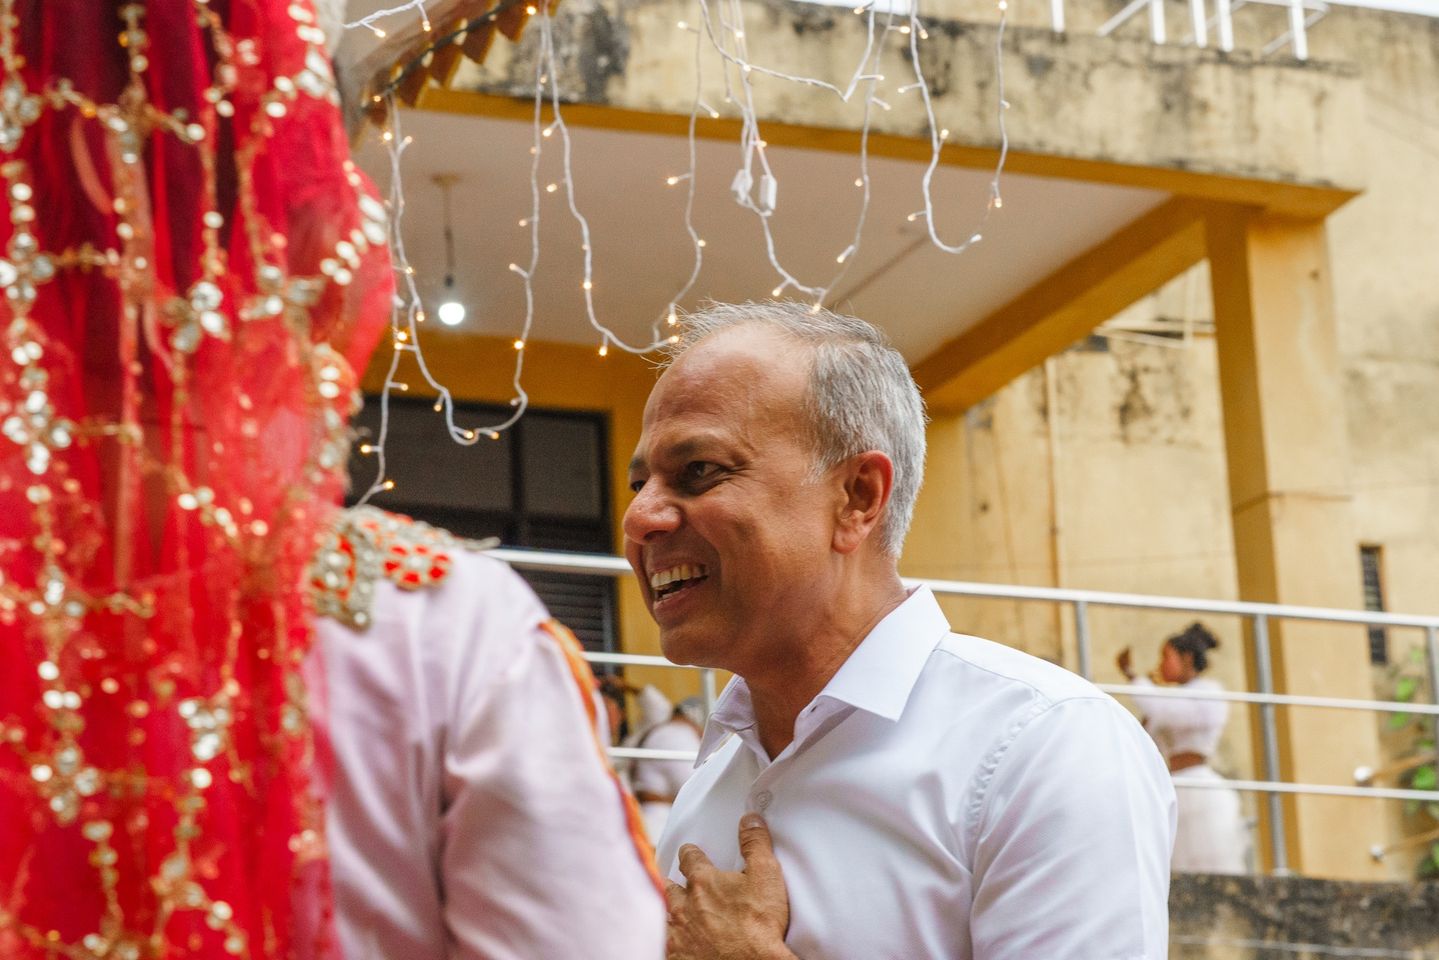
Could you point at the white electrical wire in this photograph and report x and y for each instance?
(369, 21)
(547, 74)
(406, 315)
(729, 41)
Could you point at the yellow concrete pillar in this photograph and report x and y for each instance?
(1284, 423)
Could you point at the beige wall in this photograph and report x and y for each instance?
(1134, 446)
(1134, 452)
(1106, 469)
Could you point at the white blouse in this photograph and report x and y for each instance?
(1183, 726)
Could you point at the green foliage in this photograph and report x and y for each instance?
(1408, 682)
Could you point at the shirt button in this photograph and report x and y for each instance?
(762, 800)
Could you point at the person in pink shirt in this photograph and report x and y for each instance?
(472, 813)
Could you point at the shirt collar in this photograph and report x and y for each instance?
(877, 677)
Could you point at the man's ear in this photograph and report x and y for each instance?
(868, 482)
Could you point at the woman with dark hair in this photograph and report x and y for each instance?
(1212, 835)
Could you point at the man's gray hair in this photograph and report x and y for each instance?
(861, 395)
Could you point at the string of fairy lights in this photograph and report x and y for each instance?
(371, 22)
(720, 27)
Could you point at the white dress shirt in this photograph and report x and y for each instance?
(472, 815)
(946, 798)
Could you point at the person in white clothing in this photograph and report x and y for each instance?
(653, 708)
(472, 815)
(924, 795)
(1213, 836)
(656, 783)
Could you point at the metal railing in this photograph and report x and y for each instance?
(1303, 14)
(1080, 602)
(1211, 22)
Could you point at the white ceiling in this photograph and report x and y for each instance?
(642, 254)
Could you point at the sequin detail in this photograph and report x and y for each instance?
(363, 545)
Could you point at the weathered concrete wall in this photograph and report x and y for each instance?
(1386, 256)
(1140, 465)
(1110, 476)
(1269, 918)
(1073, 96)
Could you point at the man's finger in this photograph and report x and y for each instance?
(675, 898)
(756, 846)
(693, 862)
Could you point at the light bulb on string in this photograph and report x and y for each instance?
(451, 311)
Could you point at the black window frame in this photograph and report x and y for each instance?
(586, 604)
(1371, 573)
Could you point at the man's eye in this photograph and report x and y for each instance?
(636, 486)
(698, 471)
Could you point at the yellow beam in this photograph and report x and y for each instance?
(1064, 306)
(1293, 199)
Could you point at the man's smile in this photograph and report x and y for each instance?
(669, 582)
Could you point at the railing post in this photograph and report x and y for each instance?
(1156, 21)
(1264, 676)
(1431, 645)
(1199, 17)
(1224, 16)
(1056, 15)
(1081, 639)
(1298, 35)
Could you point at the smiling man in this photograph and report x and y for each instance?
(924, 794)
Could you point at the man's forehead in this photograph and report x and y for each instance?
(724, 391)
(732, 370)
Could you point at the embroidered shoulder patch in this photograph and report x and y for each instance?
(363, 544)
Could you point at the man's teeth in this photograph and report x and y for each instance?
(685, 571)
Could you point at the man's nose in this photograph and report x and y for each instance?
(651, 512)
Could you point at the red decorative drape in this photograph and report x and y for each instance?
(182, 241)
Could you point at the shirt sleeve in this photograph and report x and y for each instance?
(1073, 836)
(538, 858)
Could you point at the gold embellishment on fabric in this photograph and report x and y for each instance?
(365, 544)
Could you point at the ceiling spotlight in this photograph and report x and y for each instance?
(451, 311)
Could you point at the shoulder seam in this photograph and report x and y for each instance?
(1041, 693)
(989, 766)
